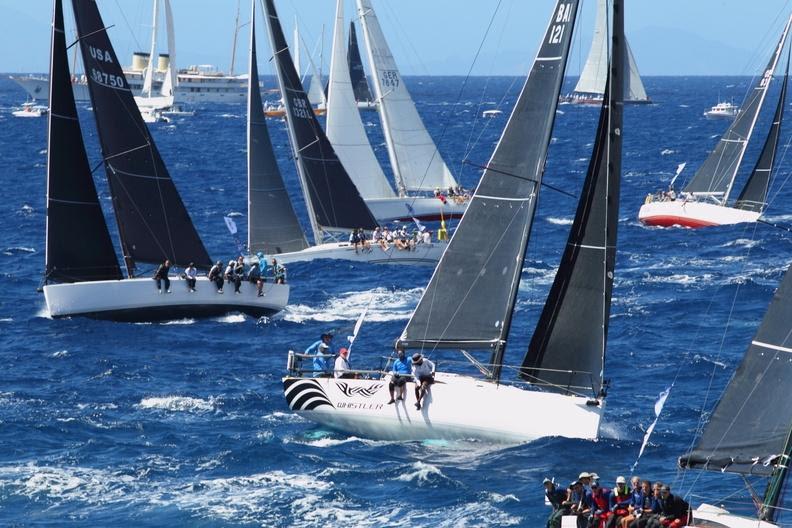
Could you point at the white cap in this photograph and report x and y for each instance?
(621, 480)
(585, 474)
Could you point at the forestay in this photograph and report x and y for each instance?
(754, 195)
(153, 223)
(570, 338)
(344, 126)
(356, 72)
(416, 162)
(335, 203)
(751, 424)
(273, 226)
(79, 247)
(470, 298)
(716, 175)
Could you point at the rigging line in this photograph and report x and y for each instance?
(129, 27)
(777, 226)
(77, 41)
(505, 173)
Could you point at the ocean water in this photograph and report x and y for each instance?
(184, 422)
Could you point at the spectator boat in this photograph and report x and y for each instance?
(333, 202)
(30, 109)
(724, 109)
(469, 302)
(83, 276)
(705, 199)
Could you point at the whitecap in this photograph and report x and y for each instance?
(559, 221)
(178, 404)
(185, 321)
(421, 473)
(231, 318)
(18, 250)
(234, 214)
(383, 305)
(666, 152)
(742, 242)
(6, 319)
(60, 354)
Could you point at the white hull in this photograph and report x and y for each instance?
(28, 113)
(366, 105)
(424, 208)
(455, 408)
(713, 514)
(139, 300)
(693, 214)
(424, 254)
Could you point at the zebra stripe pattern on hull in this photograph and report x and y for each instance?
(304, 394)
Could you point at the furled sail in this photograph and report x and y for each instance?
(716, 175)
(751, 424)
(273, 226)
(153, 223)
(334, 201)
(754, 195)
(569, 342)
(79, 247)
(595, 71)
(356, 71)
(414, 157)
(345, 128)
(470, 298)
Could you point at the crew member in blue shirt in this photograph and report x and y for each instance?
(322, 352)
(402, 369)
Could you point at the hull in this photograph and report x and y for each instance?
(424, 254)
(428, 209)
(455, 408)
(692, 214)
(707, 515)
(139, 300)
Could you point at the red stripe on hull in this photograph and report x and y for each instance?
(428, 217)
(671, 221)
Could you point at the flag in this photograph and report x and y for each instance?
(418, 224)
(230, 224)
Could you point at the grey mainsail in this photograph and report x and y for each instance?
(470, 299)
(356, 71)
(716, 175)
(754, 195)
(273, 226)
(78, 244)
(568, 345)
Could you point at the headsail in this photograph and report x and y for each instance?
(356, 71)
(152, 220)
(470, 298)
(716, 175)
(272, 223)
(571, 335)
(754, 195)
(345, 128)
(79, 247)
(414, 157)
(334, 202)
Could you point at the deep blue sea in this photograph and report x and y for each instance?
(183, 423)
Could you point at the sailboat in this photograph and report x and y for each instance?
(83, 276)
(333, 202)
(750, 431)
(705, 199)
(357, 74)
(591, 85)
(151, 104)
(469, 302)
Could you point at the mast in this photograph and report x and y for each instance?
(236, 36)
(296, 47)
(148, 81)
(570, 339)
(775, 487)
(470, 298)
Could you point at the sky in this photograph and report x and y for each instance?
(430, 37)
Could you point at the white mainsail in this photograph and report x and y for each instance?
(416, 162)
(171, 80)
(148, 80)
(345, 129)
(595, 72)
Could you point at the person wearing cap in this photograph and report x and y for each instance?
(322, 352)
(400, 373)
(673, 511)
(619, 502)
(216, 275)
(342, 366)
(600, 504)
(578, 503)
(423, 371)
(556, 497)
(585, 479)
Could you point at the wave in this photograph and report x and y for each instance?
(234, 214)
(741, 242)
(383, 305)
(18, 250)
(185, 321)
(230, 319)
(422, 473)
(559, 221)
(178, 404)
(6, 319)
(60, 354)
(666, 152)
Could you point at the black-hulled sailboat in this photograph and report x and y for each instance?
(750, 431)
(705, 199)
(333, 202)
(469, 302)
(82, 272)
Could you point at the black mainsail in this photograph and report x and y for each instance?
(272, 223)
(153, 223)
(333, 201)
(470, 298)
(356, 72)
(570, 338)
(716, 175)
(751, 427)
(79, 247)
(754, 195)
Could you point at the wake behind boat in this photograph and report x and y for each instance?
(83, 276)
(469, 302)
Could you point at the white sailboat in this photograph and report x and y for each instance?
(152, 104)
(591, 85)
(83, 276)
(334, 203)
(469, 302)
(704, 200)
